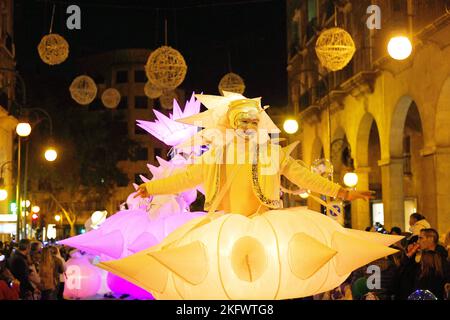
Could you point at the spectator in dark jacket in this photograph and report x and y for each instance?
(20, 268)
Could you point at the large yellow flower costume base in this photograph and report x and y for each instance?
(279, 254)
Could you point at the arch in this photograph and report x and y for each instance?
(398, 123)
(442, 127)
(362, 139)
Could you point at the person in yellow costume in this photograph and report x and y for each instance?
(246, 247)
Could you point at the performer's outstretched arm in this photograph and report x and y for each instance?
(304, 178)
(183, 180)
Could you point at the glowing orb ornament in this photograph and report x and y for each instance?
(350, 179)
(152, 91)
(231, 82)
(399, 48)
(83, 90)
(166, 68)
(111, 98)
(53, 49)
(83, 279)
(3, 194)
(167, 99)
(290, 126)
(50, 155)
(23, 129)
(335, 48)
(422, 295)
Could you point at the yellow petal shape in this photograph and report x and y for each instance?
(188, 262)
(307, 255)
(354, 252)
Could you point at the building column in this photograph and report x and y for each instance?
(392, 189)
(360, 209)
(442, 162)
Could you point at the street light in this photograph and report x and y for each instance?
(399, 47)
(290, 126)
(50, 154)
(23, 129)
(350, 179)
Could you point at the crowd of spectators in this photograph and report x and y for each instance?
(421, 263)
(31, 271)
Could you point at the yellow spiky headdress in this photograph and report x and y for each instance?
(222, 109)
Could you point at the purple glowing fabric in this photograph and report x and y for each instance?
(147, 221)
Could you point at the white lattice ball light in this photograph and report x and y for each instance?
(111, 98)
(53, 49)
(231, 82)
(166, 68)
(335, 48)
(152, 91)
(83, 90)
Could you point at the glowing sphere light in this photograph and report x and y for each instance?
(35, 209)
(23, 129)
(290, 126)
(350, 179)
(50, 155)
(399, 48)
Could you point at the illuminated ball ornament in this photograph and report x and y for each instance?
(335, 48)
(83, 90)
(23, 129)
(166, 68)
(152, 91)
(53, 49)
(111, 98)
(290, 126)
(231, 82)
(350, 179)
(57, 218)
(35, 209)
(50, 155)
(166, 99)
(399, 48)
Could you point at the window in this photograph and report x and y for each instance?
(141, 154)
(137, 178)
(121, 128)
(122, 76)
(139, 131)
(123, 104)
(141, 102)
(157, 152)
(96, 105)
(139, 76)
(156, 104)
(407, 155)
(312, 13)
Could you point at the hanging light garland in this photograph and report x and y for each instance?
(152, 91)
(231, 82)
(166, 68)
(53, 49)
(83, 90)
(335, 48)
(111, 98)
(166, 99)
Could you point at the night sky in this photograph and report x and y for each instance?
(249, 33)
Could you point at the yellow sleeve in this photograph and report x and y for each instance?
(183, 180)
(306, 179)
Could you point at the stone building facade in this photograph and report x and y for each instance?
(386, 120)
